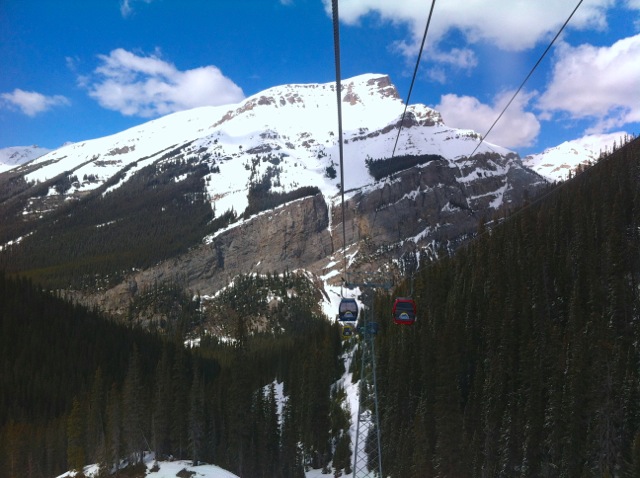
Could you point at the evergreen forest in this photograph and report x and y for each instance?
(524, 362)
(77, 389)
(149, 218)
(525, 358)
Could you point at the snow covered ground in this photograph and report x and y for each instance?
(170, 469)
(16, 155)
(167, 469)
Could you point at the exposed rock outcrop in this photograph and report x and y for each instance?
(437, 202)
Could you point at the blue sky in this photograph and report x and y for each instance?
(75, 70)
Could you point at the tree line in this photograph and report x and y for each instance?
(77, 389)
(524, 359)
(383, 167)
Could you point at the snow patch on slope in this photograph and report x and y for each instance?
(288, 133)
(16, 155)
(556, 164)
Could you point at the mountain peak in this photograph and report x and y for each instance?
(17, 155)
(372, 85)
(214, 192)
(287, 132)
(362, 91)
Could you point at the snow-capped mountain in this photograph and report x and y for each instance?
(271, 163)
(294, 125)
(17, 155)
(559, 162)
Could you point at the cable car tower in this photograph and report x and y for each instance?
(367, 454)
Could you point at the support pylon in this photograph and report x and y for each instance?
(367, 456)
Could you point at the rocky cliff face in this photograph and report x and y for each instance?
(438, 203)
(120, 196)
(295, 235)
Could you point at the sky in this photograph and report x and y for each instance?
(77, 70)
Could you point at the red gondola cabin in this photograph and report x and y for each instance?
(404, 311)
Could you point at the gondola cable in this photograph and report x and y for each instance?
(348, 310)
(415, 73)
(539, 199)
(527, 78)
(336, 44)
(408, 315)
(505, 108)
(339, 105)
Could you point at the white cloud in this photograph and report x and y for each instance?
(462, 58)
(32, 103)
(598, 83)
(149, 86)
(512, 25)
(437, 74)
(126, 6)
(516, 128)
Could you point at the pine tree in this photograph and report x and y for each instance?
(114, 429)
(76, 438)
(291, 463)
(95, 420)
(196, 417)
(340, 423)
(163, 398)
(632, 465)
(133, 410)
(271, 433)
(180, 407)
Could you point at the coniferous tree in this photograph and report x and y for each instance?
(95, 420)
(114, 434)
(161, 419)
(197, 417)
(291, 462)
(76, 451)
(271, 433)
(180, 406)
(340, 422)
(134, 410)
(631, 466)
(534, 340)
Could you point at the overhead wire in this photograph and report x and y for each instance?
(406, 104)
(415, 73)
(544, 195)
(336, 34)
(336, 45)
(527, 77)
(506, 106)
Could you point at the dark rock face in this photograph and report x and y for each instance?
(289, 237)
(440, 201)
(245, 159)
(433, 202)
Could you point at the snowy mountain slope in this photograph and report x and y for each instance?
(290, 128)
(17, 155)
(556, 164)
(149, 204)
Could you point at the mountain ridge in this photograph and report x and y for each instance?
(14, 156)
(181, 199)
(101, 157)
(564, 160)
